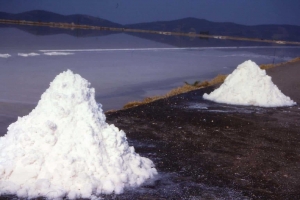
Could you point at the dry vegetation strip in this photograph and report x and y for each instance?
(268, 66)
(197, 85)
(185, 88)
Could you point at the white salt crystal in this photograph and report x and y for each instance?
(64, 147)
(249, 85)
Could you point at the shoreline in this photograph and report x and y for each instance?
(219, 79)
(73, 26)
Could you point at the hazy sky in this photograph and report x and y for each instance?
(249, 12)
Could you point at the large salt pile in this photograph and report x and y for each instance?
(249, 85)
(64, 147)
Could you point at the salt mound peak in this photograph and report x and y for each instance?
(249, 85)
(64, 147)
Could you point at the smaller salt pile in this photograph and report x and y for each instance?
(64, 148)
(249, 85)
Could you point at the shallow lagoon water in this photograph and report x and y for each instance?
(121, 67)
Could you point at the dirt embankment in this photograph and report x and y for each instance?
(251, 150)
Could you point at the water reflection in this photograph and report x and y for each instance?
(122, 67)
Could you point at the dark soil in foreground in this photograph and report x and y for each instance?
(205, 150)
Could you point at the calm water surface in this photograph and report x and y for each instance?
(121, 67)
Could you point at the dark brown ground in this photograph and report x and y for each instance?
(250, 150)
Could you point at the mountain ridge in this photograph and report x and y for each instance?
(194, 25)
(46, 16)
(186, 25)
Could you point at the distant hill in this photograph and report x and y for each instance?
(187, 25)
(276, 32)
(46, 30)
(45, 16)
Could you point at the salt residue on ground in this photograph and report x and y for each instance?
(249, 85)
(64, 147)
(28, 54)
(58, 53)
(4, 55)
